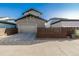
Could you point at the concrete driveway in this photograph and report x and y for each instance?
(38, 47)
(20, 37)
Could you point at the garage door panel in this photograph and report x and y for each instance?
(27, 28)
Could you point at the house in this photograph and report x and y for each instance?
(63, 22)
(7, 27)
(30, 21)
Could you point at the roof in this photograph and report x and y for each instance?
(31, 10)
(58, 18)
(7, 22)
(4, 18)
(33, 16)
(63, 19)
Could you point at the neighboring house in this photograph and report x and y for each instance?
(62, 22)
(52, 20)
(6, 27)
(30, 21)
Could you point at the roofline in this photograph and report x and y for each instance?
(63, 20)
(33, 16)
(32, 9)
(7, 22)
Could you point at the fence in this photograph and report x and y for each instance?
(11, 31)
(56, 32)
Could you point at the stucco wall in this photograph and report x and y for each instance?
(37, 21)
(66, 24)
(2, 32)
(31, 21)
(70, 23)
(22, 21)
(57, 25)
(29, 24)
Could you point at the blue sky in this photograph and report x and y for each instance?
(15, 10)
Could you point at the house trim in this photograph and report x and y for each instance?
(7, 22)
(32, 16)
(63, 20)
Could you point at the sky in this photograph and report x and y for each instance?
(49, 10)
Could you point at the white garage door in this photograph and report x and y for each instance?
(27, 28)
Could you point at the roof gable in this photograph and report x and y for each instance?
(32, 10)
(32, 16)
